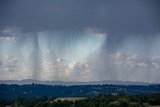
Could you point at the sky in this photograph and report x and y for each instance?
(80, 40)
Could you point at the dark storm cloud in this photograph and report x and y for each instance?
(115, 17)
(2, 34)
(98, 39)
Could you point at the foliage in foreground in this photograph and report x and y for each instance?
(101, 100)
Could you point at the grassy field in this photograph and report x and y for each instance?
(155, 106)
(70, 99)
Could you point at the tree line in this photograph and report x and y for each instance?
(101, 100)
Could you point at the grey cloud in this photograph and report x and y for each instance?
(2, 34)
(63, 29)
(1, 62)
(128, 67)
(119, 19)
(115, 17)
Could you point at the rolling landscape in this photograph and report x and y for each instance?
(60, 95)
(11, 91)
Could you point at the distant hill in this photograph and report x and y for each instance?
(69, 83)
(14, 90)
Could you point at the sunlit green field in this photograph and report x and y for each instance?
(70, 99)
(155, 106)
